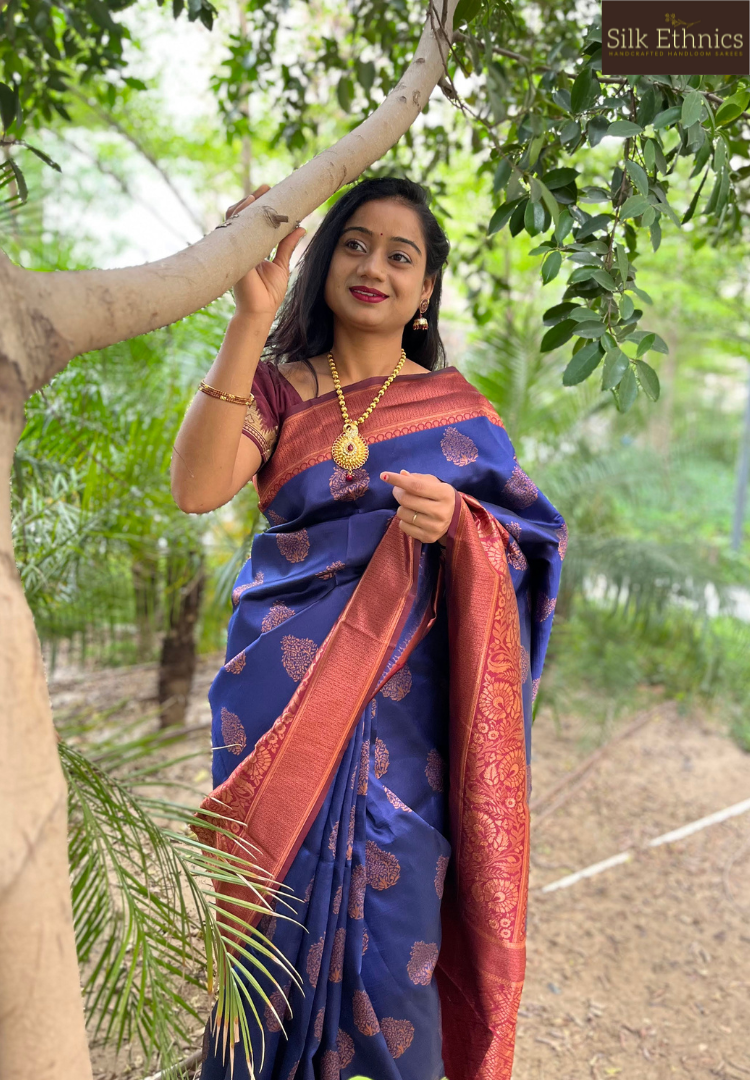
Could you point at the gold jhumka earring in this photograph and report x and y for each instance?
(421, 323)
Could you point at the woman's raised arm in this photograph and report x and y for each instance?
(211, 460)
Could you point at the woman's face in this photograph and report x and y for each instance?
(376, 279)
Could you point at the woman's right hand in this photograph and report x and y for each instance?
(260, 292)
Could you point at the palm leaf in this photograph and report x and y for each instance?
(148, 932)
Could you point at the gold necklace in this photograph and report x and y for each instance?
(349, 450)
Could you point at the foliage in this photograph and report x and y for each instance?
(649, 583)
(535, 116)
(536, 105)
(93, 517)
(147, 931)
(603, 661)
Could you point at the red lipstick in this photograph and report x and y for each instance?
(368, 296)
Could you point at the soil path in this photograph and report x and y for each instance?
(641, 973)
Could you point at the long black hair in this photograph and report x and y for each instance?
(305, 325)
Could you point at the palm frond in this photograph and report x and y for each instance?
(148, 931)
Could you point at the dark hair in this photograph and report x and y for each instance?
(305, 326)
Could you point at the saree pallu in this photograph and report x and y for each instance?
(371, 728)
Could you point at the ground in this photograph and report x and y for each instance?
(641, 973)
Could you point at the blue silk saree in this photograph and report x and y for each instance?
(371, 732)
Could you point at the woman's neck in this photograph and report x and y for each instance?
(359, 355)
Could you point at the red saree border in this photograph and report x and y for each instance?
(350, 388)
(482, 958)
(274, 794)
(307, 435)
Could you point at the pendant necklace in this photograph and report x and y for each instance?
(349, 450)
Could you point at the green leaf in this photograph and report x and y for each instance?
(720, 155)
(605, 280)
(585, 91)
(624, 129)
(656, 235)
(593, 224)
(559, 312)
(558, 335)
(627, 307)
(632, 287)
(517, 217)
(615, 365)
(564, 226)
(551, 266)
(648, 217)
(705, 152)
(534, 149)
(591, 330)
(638, 175)
(647, 107)
(502, 175)
(8, 99)
(466, 10)
(663, 205)
(366, 74)
(549, 201)
(634, 206)
(596, 129)
(694, 201)
(345, 92)
(628, 391)
(562, 98)
(558, 178)
(649, 154)
(570, 132)
(583, 273)
(645, 344)
(501, 217)
(733, 107)
(23, 190)
(533, 218)
(582, 364)
(713, 198)
(648, 379)
(692, 107)
(659, 344)
(664, 119)
(661, 161)
(622, 261)
(45, 157)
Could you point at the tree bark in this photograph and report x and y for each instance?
(145, 574)
(178, 651)
(46, 320)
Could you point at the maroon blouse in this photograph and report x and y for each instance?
(274, 396)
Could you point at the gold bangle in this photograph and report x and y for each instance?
(221, 395)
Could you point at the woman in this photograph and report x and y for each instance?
(371, 724)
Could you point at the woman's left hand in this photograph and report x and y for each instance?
(431, 499)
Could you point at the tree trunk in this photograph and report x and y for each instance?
(46, 320)
(177, 665)
(145, 573)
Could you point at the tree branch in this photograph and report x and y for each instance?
(53, 317)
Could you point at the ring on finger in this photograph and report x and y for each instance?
(415, 516)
